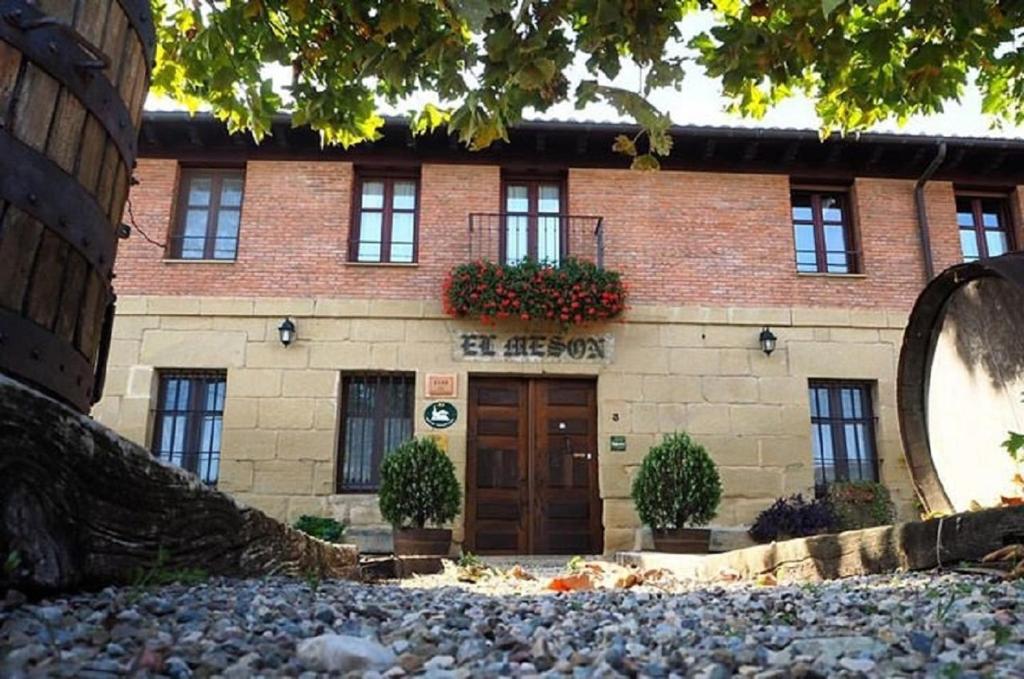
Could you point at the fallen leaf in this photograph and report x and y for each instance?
(1011, 501)
(628, 580)
(572, 582)
(517, 572)
(975, 506)
(766, 580)
(729, 574)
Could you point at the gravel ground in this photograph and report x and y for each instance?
(910, 625)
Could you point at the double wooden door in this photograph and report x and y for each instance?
(531, 473)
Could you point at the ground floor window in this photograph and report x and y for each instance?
(376, 416)
(189, 418)
(842, 433)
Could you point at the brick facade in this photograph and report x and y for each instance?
(708, 258)
(716, 239)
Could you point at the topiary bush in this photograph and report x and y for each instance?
(321, 527)
(677, 485)
(418, 485)
(794, 517)
(861, 504)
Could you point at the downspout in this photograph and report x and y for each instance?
(922, 212)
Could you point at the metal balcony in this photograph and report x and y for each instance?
(509, 238)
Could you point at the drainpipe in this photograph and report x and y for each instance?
(922, 212)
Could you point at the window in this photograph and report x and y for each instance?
(386, 218)
(190, 410)
(533, 222)
(984, 227)
(377, 412)
(842, 433)
(209, 214)
(821, 230)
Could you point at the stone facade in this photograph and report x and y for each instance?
(698, 369)
(708, 258)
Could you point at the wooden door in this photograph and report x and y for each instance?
(532, 467)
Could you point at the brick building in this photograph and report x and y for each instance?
(823, 243)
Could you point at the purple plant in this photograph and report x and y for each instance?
(794, 517)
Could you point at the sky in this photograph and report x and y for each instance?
(700, 102)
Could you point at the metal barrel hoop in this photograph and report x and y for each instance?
(72, 64)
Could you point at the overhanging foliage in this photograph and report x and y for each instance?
(485, 61)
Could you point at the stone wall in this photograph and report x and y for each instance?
(691, 368)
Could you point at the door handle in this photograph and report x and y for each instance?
(578, 456)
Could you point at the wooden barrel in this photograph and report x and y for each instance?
(961, 381)
(73, 79)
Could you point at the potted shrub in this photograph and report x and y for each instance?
(861, 504)
(678, 487)
(418, 487)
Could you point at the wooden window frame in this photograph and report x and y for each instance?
(836, 420)
(532, 214)
(176, 244)
(388, 177)
(379, 416)
(850, 240)
(978, 227)
(194, 415)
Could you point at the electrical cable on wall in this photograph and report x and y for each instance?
(135, 225)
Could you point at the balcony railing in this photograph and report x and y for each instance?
(512, 237)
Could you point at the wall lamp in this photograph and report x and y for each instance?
(767, 339)
(286, 331)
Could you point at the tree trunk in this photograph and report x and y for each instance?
(81, 507)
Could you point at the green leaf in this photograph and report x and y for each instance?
(645, 163)
(536, 74)
(429, 119)
(829, 6)
(298, 10)
(624, 144)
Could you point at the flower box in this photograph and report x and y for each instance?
(572, 293)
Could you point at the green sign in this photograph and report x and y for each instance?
(440, 415)
(618, 443)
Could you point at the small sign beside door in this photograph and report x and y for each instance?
(441, 385)
(618, 443)
(440, 415)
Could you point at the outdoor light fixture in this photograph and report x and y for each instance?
(767, 339)
(286, 331)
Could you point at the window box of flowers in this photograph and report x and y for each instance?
(573, 293)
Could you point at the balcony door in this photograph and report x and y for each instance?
(534, 226)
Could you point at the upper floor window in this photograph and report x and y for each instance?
(842, 433)
(386, 219)
(190, 412)
(984, 226)
(209, 214)
(376, 416)
(822, 233)
(534, 225)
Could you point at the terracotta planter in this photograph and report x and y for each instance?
(682, 540)
(422, 541)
